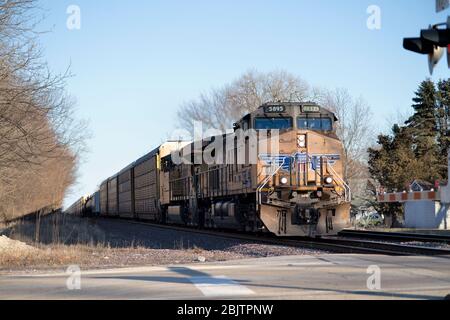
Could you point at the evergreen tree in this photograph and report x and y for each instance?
(418, 149)
(422, 124)
(395, 162)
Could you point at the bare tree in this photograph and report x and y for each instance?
(40, 138)
(221, 107)
(356, 131)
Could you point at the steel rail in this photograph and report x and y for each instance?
(397, 236)
(326, 244)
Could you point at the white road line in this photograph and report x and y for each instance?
(129, 270)
(134, 270)
(220, 286)
(309, 264)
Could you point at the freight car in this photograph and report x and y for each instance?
(138, 190)
(78, 207)
(288, 181)
(92, 207)
(86, 206)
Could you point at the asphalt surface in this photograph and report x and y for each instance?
(295, 277)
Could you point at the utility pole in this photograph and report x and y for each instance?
(433, 41)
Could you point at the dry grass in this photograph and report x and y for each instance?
(51, 257)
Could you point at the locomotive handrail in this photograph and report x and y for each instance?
(347, 189)
(266, 180)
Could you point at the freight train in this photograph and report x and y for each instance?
(279, 171)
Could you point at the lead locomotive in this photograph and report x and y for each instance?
(281, 171)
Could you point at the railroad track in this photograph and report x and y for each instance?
(395, 236)
(327, 244)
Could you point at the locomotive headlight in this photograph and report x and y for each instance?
(329, 180)
(301, 141)
(284, 180)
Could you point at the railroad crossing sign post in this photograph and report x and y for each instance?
(448, 44)
(445, 192)
(442, 5)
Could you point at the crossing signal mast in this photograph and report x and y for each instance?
(433, 41)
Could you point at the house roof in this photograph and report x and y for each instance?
(421, 185)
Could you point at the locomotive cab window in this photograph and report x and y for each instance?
(315, 123)
(273, 123)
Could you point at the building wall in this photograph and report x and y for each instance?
(427, 215)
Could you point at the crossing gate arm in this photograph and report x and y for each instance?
(408, 196)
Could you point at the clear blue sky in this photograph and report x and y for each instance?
(134, 62)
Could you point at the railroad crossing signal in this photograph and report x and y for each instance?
(432, 42)
(442, 5)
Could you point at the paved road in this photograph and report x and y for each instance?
(295, 277)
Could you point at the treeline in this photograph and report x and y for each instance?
(39, 137)
(418, 148)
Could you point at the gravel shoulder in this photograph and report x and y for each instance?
(105, 243)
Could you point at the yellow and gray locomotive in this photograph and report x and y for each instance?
(293, 187)
(279, 171)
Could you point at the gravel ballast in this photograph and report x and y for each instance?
(108, 243)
